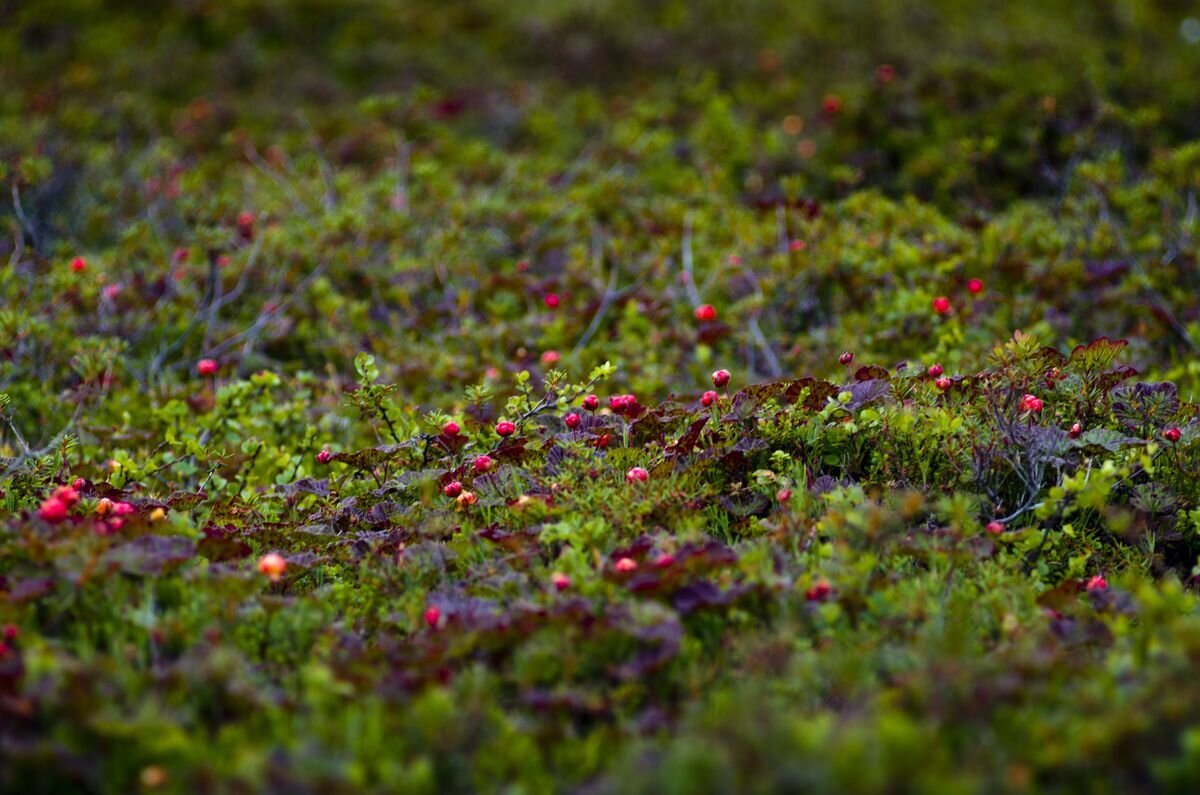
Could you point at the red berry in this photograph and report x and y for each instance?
(885, 73)
(483, 463)
(549, 358)
(245, 224)
(324, 456)
(664, 561)
(572, 420)
(1031, 404)
(637, 475)
(450, 429)
(207, 367)
(79, 264)
(819, 591)
(720, 378)
(560, 581)
(846, 358)
(181, 255)
(625, 565)
(706, 313)
(797, 245)
(78, 484)
(10, 632)
(941, 305)
(975, 286)
(452, 489)
(1097, 583)
(943, 383)
(708, 398)
(831, 104)
(53, 510)
(433, 617)
(1075, 431)
(591, 403)
(552, 300)
(995, 528)
(505, 428)
(784, 495)
(935, 370)
(66, 495)
(1172, 434)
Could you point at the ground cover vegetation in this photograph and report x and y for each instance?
(599, 397)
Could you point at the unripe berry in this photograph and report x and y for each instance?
(572, 420)
(483, 463)
(591, 403)
(943, 383)
(1172, 434)
(207, 367)
(450, 429)
(819, 591)
(995, 528)
(1097, 583)
(452, 489)
(637, 475)
(272, 565)
(1075, 431)
(935, 370)
(625, 565)
(664, 561)
(846, 358)
(720, 378)
(708, 398)
(505, 428)
(324, 456)
(560, 581)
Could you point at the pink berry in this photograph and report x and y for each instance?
(433, 617)
(708, 398)
(53, 510)
(975, 286)
(1031, 404)
(706, 313)
(324, 456)
(483, 463)
(79, 264)
(720, 378)
(207, 367)
(625, 565)
(572, 420)
(549, 358)
(1097, 583)
(560, 581)
(552, 300)
(505, 428)
(941, 305)
(943, 383)
(637, 475)
(995, 528)
(784, 495)
(664, 561)
(1075, 431)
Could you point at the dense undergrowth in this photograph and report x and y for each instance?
(889, 482)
